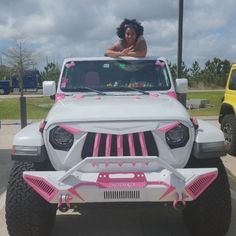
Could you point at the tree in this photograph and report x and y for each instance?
(21, 57)
(51, 72)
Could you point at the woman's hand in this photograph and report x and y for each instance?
(127, 51)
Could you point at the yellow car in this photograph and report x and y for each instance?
(227, 117)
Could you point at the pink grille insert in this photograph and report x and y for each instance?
(119, 145)
(96, 145)
(41, 186)
(143, 144)
(200, 184)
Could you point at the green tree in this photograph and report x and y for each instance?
(51, 72)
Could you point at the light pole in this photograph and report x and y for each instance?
(23, 112)
(180, 38)
(182, 97)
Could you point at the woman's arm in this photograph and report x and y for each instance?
(140, 49)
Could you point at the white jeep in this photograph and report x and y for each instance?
(117, 134)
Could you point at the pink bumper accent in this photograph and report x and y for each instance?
(200, 184)
(106, 180)
(40, 185)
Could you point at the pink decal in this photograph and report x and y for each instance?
(138, 180)
(96, 145)
(200, 184)
(160, 63)
(64, 82)
(41, 186)
(168, 127)
(143, 144)
(168, 191)
(119, 145)
(134, 163)
(42, 125)
(172, 94)
(108, 145)
(79, 97)
(69, 65)
(137, 97)
(74, 192)
(131, 144)
(195, 121)
(120, 163)
(70, 129)
(106, 163)
(59, 96)
(153, 94)
(98, 98)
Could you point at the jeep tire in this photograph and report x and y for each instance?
(210, 213)
(228, 126)
(27, 213)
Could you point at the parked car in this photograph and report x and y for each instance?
(117, 135)
(227, 116)
(5, 87)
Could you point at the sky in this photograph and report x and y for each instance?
(77, 28)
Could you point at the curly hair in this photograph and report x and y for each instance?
(126, 23)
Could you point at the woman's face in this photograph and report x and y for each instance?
(130, 36)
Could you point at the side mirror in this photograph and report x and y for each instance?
(181, 85)
(49, 88)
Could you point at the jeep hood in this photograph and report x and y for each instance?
(116, 108)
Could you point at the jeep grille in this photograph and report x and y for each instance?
(136, 144)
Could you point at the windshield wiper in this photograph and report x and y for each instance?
(92, 90)
(138, 90)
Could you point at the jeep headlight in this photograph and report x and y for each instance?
(60, 138)
(178, 136)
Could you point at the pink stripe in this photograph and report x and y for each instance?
(119, 145)
(108, 145)
(168, 127)
(143, 144)
(96, 145)
(131, 144)
(70, 129)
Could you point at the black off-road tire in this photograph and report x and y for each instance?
(228, 126)
(210, 213)
(27, 213)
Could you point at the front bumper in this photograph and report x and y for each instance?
(120, 179)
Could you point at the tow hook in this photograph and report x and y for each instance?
(179, 203)
(64, 203)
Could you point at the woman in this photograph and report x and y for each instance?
(131, 43)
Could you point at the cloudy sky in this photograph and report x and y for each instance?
(74, 28)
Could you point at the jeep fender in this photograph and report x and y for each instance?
(209, 141)
(28, 145)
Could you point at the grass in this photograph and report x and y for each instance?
(214, 98)
(38, 107)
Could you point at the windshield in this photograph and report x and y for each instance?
(115, 75)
